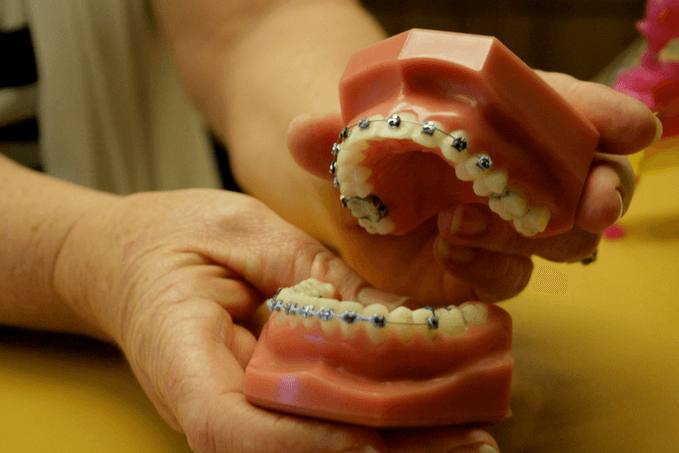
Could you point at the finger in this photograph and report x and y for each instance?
(269, 253)
(494, 276)
(203, 382)
(475, 226)
(445, 439)
(219, 284)
(310, 140)
(626, 124)
(607, 193)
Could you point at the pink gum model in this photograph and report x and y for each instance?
(436, 118)
(384, 375)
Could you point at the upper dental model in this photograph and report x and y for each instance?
(340, 360)
(488, 119)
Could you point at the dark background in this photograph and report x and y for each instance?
(578, 37)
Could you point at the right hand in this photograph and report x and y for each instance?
(176, 279)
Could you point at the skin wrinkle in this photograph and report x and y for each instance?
(169, 226)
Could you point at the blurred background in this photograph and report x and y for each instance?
(578, 37)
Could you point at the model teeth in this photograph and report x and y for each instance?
(420, 318)
(305, 304)
(451, 149)
(402, 319)
(349, 328)
(407, 128)
(535, 221)
(377, 335)
(493, 182)
(427, 135)
(474, 313)
(511, 204)
(451, 320)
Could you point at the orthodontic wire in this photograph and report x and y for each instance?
(350, 317)
(428, 127)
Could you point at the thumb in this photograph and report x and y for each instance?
(310, 139)
(269, 253)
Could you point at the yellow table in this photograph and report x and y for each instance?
(597, 347)
(65, 394)
(597, 360)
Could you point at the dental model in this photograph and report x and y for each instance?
(432, 119)
(437, 118)
(338, 360)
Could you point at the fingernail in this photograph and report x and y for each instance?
(370, 295)
(458, 254)
(298, 119)
(366, 449)
(658, 130)
(622, 204)
(476, 448)
(465, 220)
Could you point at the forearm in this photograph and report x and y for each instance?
(275, 61)
(37, 214)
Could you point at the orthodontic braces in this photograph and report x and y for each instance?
(428, 127)
(350, 317)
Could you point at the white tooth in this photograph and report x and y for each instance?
(430, 141)
(314, 287)
(474, 313)
(361, 174)
(360, 209)
(496, 180)
(493, 181)
(497, 206)
(474, 170)
(310, 322)
(352, 155)
(535, 221)
(481, 189)
(368, 225)
(348, 190)
(451, 153)
(420, 316)
(349, 330)
(513, 203)
(355, 189)
(462, 172)
(345, 175)
(364, 189)
(409, 124)
(451, 321)
(357, 133)
(331, 304)
(516, 202)
(375, 334)
(385, 226)
(405, 316)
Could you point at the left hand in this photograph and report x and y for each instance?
(468, 252)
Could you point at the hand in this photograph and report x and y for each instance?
(176, 279)
(468, 252)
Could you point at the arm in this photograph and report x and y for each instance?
(253, 69)
(37, 214)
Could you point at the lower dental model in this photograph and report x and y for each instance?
(342, 361)
(430, 112)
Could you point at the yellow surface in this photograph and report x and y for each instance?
(55, 397)
(597, 360)
(597, 347)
